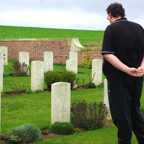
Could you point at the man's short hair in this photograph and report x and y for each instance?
(116, 10)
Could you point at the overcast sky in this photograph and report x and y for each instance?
(66, 14)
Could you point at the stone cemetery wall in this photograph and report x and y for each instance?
(60, 48)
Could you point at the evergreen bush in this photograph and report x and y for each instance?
(14, 139)
(70, 77)
(5, 75)
(100, 85)
(87, 62)
(91, 85)
(50, 78)
(89, 116)
(27, 133)
(62, 128)
(29, 92)
(38, 91)
(66, 76)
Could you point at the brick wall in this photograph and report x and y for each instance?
(36, 49)
(94, 54)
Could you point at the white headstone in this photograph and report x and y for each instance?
(37, 75)
(73, 56)
(48, 61)
(97, 71)
(71, 65)
(24, 58)
(1, 71)
(106, 101)
(60, 102)
(4, 50)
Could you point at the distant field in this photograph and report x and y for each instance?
(86, 37)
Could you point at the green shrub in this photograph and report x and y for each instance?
(77, 130)
(89, 116)
(50, 78)
(65, 76)
(5, 75)
(14, 139)
(100, 85)
(29, 92)
(91, 85)
(38, 91)
(69, 76)
(62, 128)
(87, 62)
(27, 133)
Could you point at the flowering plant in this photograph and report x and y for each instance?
(19, 69)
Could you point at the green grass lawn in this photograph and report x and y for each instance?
(86, 37)
(101, 136)
(36, 109)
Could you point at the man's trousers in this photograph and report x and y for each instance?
(124, 99)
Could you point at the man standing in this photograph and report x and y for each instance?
(123, 50)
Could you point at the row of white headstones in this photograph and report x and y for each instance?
(60, 94)
(38, 68)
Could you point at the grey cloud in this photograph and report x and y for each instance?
(134, 8)
(88, 6)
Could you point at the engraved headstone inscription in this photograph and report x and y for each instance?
(60, 102)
